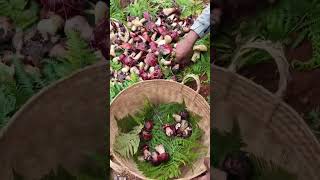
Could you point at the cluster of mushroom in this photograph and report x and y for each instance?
(155, 157)
(159, 155)
(181, 128)
(139, 44)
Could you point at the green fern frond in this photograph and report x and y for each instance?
(23, 12)
(190, 7)
(138, 7)
(116, 11)
(7, 106)
(24, 82)
(78, 52)
(127, 144)
(116, 88)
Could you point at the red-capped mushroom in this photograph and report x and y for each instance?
(146, 153)
(184, 115)
(145, 135)
(165, 49)
(148, 125)
(155, 159)
(151, 59)
(169, 130)
(163, 155)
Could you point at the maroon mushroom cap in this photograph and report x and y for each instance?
(148, 125)
(164, 157)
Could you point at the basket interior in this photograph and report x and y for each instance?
(132, 99)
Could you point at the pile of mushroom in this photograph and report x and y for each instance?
(181, 128)
(145, 44)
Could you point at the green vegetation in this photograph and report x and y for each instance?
(23, 12)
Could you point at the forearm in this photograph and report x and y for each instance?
(202, 24)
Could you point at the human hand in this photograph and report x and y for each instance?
(184, 49)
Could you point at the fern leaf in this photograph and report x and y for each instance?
(7, 106)
(24, 83)
(23, 12)
(127, 144)
(79, 54)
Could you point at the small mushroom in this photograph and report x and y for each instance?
(141, 65)
(129, 24)
(201, 48)
(125, 69)
(134, 28)
(169, 130)
(134, 70)
(113, 36)
(184, 125)
(177, 126)
(171, 17)
(148, 125)
(165, 62)
(136, 22)
(187, 132)
(184, 114)
(177, 117)
(155, 159)
(185, 29)
(112, 51)
(146, 153)
(143, 39)
(163, 155)
(169, 11)
(130, 41)
(174, 24)
(146, 135)
(167, 39)
(143, 20)
(158, 22)
(153, 37)
(138, 56)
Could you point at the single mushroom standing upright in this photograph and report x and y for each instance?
(197, 50)
(163, 155)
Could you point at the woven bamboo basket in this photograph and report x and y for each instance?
(61, 125)
(270, 128)
(132, 99)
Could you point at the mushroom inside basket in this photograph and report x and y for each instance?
(162, 139)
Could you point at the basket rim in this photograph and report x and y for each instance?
(156, 81)
(32, 100)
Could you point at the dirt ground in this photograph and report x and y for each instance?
(204, 89)
(303, 92)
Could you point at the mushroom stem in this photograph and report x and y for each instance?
(112, 51)
(138, 56)
(195, 56)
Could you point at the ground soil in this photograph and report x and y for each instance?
(303, 92)
(204, 89)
